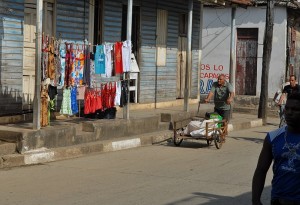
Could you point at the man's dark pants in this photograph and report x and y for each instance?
(224, 113)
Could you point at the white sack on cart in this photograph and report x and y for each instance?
(200, 133)
(197, 125)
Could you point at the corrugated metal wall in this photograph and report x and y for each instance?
(195, 50)
(11, 47)
(72, 20)
(156, 83)
(159, 83)
(112, 21)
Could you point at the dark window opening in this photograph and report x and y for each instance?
(183, 25)
(98, 22)
(135, 27)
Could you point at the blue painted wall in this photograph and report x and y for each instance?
(11, 57)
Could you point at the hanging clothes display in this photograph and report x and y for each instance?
(98, 100)
(68, 63)
(92, 70)
(126, 55)
(74, 105)
(112, 94)
(118, 58)
(87, 67)
(44, 107)
(66, 108)
(62, 52)
(118, 94)
(87, 102)
(77, 73)
(99, 60)
(51, 66)
(108, 59)
(124, 93)
(71, 66)
(57, 62)
(44, 60)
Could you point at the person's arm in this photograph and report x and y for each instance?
(209, 96)
(283, 95)
(231, 94)
(211, 93)
(230, 98)
(259, 177)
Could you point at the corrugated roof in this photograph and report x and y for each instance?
(287, 3)
(295, 4)
(228, 2)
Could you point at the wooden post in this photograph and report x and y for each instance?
(267, 50)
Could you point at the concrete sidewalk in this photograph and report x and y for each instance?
(75, 137)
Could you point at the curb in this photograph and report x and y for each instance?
(45, 155)
(245, 125)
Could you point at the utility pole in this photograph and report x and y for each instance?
(188, 58)
(37, 90)
(232, 68)
(127, 74)
(267, 50)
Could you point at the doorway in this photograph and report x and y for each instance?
(246, 61)
(29, 44)
(181, 56)
(135, 42)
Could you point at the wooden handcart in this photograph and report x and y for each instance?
(217, 130)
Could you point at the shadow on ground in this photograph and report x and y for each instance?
(214, 199)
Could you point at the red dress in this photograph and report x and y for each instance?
(118, 58)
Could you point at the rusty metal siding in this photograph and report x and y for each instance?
(11, 58)
(70, 22)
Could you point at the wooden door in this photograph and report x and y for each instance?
(29, 55)
(181, 66)
(29, 43)
(246, 61)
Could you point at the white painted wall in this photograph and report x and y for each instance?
(216, 44)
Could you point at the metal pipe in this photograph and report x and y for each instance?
(200, 51)
(189, 58)
(38, 46)
(232, 49)
(128, 37)
(232, 68)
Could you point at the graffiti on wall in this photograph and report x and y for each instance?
(209, 74)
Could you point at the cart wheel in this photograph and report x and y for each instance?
(217, 139)
(177, 141)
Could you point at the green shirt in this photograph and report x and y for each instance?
(221, 94)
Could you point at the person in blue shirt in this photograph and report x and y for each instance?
(282, 147)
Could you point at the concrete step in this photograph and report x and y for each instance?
(164, 126)
(7, 148)
(254, 111)
(44, 155)
(107, 129)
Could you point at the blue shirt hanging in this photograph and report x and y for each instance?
(99, 60)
